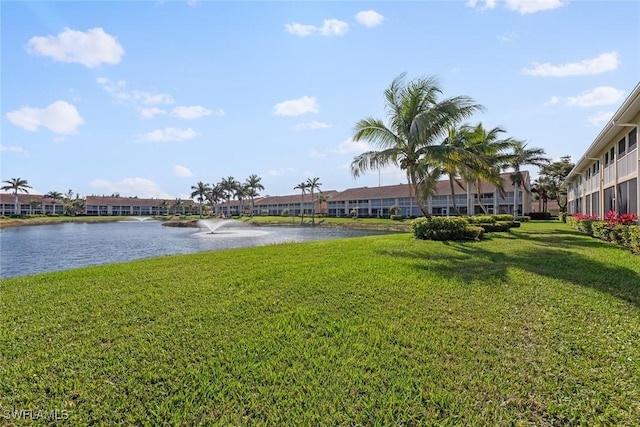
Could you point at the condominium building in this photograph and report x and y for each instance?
(100, 205)
(606, 176)
(29, 204)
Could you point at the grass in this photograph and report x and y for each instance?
(539, 326)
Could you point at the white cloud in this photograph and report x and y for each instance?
(600, 64)
(90, 48)
(296, 107)
(350, 146)
(532, 6)
(330, 27)
(300, 29)
(316, 154)
(280, 172)
(334, 27)
(12, 149)
(194, 112)
(601, 95)
(59, 117)
(136, 97)
(487, 4)
(181, 171)
(167, 134)
(130, 187)
(369, 18)
(149, 113)
(599, 118)
(314, 125)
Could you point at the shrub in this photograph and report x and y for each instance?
(264, 212)
(503, 217)
(397, 217)
(473, 232)
(523, 218)
(540, 215)
(439, 228)
(621, 235)
(481, 219)
(285, 212)
(499, 226)
(600, 230)
(634, 233)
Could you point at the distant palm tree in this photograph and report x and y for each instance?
(254, 184)
(521, 156)
(417, 120)
(178, 203)
(313, 183)
(229, 186)
(303, 188)
(214, 196)
(164, 205)
(16, 185)
(54, 196)
(33, 204)
(200, 191)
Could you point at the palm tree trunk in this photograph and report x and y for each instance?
(453, 195)
(515, 199)
(417, 191)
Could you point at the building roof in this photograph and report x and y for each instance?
(9, 198)
(629, 109)
(131, 201)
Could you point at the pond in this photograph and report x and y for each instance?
(45, 248)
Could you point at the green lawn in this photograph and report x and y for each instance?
(540, 326)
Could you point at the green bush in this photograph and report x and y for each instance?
(585, 225)
(599, 230)
(498, 227)
(503, 217)
(523, 218)
(621, 235)
(439, 228)
(285, 212)
(634, 233)
(397, 217)
(544, 216)
(481, 219)
(473, 232)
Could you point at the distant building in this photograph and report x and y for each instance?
(132, 206)
(29, 204)
(606, 176)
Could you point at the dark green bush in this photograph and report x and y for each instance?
(499, 226)
(634, 233)
(439, 228)
(397, 217)
(599, 230)
(481, 219)
(523, 218)
(540, 215)
(473, 232)
(503, 217)
(621, 235)
(586, 225)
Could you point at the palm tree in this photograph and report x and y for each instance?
(229, 185)
(303, 188)
(313, 183)
(241, 194)
(254, 184)
(493, 152)
(16, 185)
(54, 196)
(521, 156)
(178, 203)
(164, 206)
(214, 196)
(417, 120)
(200, 191)
(33, 204)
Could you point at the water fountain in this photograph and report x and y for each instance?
(232, 228)
(138, 219)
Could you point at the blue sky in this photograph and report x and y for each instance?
(147, 98)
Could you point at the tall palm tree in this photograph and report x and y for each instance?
(313, 183)
(200, 191)
(241, 194)
(254, 185)
(229, 185)
(303, 188)
(417, 121)
(493, 152)
(214, 196)
(16, 185)
(33, 204)
(178, 203)
(521, 156)
(54, 196)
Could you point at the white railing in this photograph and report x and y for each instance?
(609, 174)
(595, 183)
